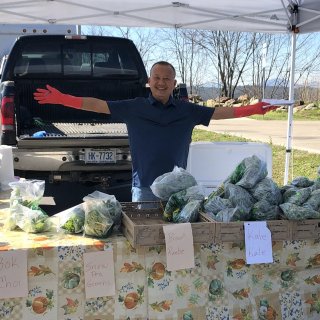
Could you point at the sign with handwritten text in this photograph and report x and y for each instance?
(13, 274)
(258, 242)
(179, 246)
(99, 274)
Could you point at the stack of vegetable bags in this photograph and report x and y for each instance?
(248, 194)
(25, 212)
(301, 199)
(184, 197)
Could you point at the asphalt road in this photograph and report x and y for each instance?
(305, 134)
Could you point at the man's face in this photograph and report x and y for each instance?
(162, 82)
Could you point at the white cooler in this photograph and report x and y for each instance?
(212, 162)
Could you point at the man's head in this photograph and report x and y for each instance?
(162, 81)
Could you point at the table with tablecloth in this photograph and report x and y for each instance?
(221, 286)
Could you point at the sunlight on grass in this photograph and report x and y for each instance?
(283, 115)
(298, 163)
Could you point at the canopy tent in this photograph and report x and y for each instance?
(234, 15)
(270, 16)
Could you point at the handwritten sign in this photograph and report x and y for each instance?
(179, 246)
(258, 242)
(13, 274)
(99, 274)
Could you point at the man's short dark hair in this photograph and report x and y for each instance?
(164, 63)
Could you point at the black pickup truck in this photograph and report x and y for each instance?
(74, 151)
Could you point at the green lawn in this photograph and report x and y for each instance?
(305, 163)
(283, 115)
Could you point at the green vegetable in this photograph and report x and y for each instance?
(97, 224)
(75, 221)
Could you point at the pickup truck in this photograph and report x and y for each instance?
(74, 151)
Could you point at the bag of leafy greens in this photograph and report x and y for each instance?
(72, 219)
(25, 196)
(171, 182)
(102, 213)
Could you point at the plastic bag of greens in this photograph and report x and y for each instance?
(267, 190)
(293, 212)
(229, 214)
(316, 184)
(31, 220)
(301, 182)
(179, 199)
(171, 182)
(241, 198)
(300, 196)
(112, 205)
(189, 213)
(313, 201)
(25, 194)
(214, 204)
(249, 172)
(102, 212)
(264, 210)
(72, 219)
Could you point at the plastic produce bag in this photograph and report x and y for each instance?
(300, 196)
(25, 196)
(31, 220)
(293, 212)
(112, 205)
(264, 210)
(249, 172)
(179, 199)
(241, 198)
(214, 204)
(267, 190)
(72, 219)
(301, 182)
(171, 182)
(229, 214)
(189, 213)
(102, 212)
(313, 201)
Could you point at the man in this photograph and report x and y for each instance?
(159, 127)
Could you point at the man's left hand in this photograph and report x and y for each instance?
(258, 108)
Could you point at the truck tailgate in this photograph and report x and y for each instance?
(75, 134)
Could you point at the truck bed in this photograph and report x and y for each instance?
(75, 134)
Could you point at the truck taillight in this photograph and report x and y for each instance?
(7, 113)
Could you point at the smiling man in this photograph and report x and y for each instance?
(159, 127)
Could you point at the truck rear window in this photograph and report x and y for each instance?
(75, 59)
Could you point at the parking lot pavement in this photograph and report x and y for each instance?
(305, 134)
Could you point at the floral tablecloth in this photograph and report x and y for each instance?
(221, 286)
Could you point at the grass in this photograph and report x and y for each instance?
(311, 115)
(304, 163)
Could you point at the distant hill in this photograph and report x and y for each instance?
(212, 92)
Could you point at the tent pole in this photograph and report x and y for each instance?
(290, 107)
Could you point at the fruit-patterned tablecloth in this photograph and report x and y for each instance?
(221, 286)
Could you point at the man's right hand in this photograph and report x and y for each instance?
(54, 96)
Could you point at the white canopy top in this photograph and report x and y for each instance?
(270, 16)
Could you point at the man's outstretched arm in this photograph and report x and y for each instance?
(244, 111)
(51, 95)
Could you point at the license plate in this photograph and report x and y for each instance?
(100, 156)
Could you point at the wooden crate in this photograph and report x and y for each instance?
(144, 226)
(234, 231)
(306, 229)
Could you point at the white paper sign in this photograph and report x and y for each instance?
(13, 274)
(99, 274)
(179, 246)
(258, 242)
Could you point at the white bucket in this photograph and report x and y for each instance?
(6, 167)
